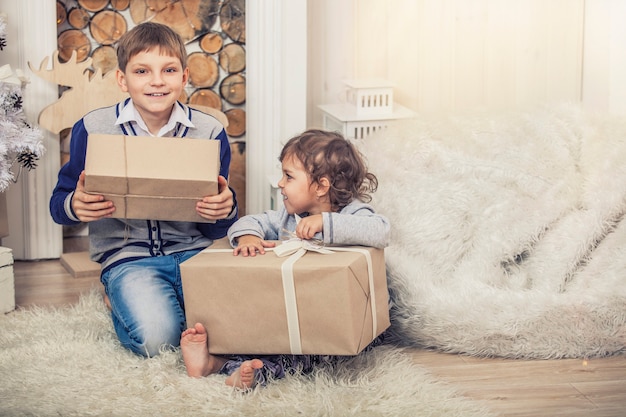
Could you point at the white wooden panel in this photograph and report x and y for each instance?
(500, 67)
(617, 46)
(372, 45)
(276, 89)
(449, 55)
(470, 54)
(604, 75)
(331, 56)
(403, 50)
(596, 69)
(435, 22)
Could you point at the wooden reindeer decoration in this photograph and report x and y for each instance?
(88, 91)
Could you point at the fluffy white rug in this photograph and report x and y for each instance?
(509, 236)
(67, 362)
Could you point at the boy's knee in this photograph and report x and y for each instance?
(149, 338)
(159, 337)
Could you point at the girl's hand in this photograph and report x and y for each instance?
(309, 226)
(249, 245)
(90, 207)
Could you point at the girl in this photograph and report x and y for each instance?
(325, 188)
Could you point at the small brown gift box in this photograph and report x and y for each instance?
(152, 178)
(249, 305)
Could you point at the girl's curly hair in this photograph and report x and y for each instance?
(330, 155)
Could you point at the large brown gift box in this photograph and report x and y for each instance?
(250, 306)
(152, 177)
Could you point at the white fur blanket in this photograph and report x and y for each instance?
(509, 237)
(68, 362)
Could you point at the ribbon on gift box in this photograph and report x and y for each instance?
(296, 248)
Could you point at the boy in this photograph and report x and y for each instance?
(140, 258)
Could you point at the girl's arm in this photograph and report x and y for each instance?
(266, 226)
(356, 224)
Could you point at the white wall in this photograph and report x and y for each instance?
(455, 55)
(604, 68)
(331, 43)
(443, 56)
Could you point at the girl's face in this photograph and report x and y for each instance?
(154, 81)
(299, 195)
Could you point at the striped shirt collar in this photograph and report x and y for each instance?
(130, 120)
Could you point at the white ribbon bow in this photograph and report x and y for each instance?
(291, 246)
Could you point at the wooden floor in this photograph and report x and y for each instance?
(572, 388)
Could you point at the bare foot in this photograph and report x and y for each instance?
(244, 376)
(194, 347)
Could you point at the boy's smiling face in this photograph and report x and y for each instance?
(154, 81)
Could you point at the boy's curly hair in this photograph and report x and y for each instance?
(329, 154)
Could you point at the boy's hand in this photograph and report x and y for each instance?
(308, 226)
(248, 245)
(219, 206)
(90, 207)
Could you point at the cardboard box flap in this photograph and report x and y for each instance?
(151, 166)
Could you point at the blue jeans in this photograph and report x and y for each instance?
(147, 304)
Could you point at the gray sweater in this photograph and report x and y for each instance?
(356, 224)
